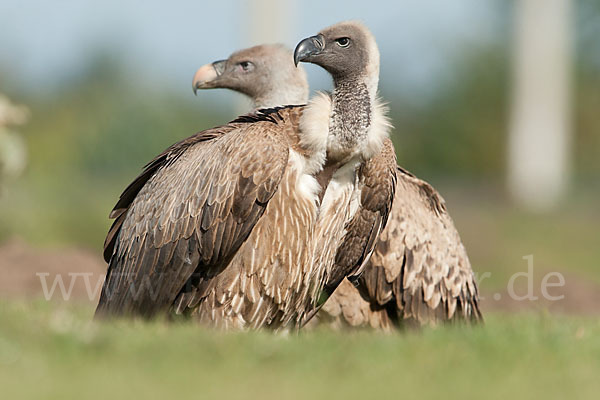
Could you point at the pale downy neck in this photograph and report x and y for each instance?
(352, 113)
(353, 105)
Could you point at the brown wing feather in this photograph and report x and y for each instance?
(189, 211)
(160, 161)
(419, 272)
(378, 176)
(420, 266)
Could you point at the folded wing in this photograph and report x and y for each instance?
(188, 213)
(419, 272)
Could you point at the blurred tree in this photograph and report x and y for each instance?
(539, 145)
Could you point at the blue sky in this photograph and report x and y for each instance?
(43, 42)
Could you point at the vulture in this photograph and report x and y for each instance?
(242, 226)
(419, 272)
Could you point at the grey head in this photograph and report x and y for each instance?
(346, 50)
(265, 73)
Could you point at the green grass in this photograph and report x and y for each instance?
(47, 351)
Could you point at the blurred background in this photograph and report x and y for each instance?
(494, 102)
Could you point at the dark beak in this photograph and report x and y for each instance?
(308, 48)
(207, 75)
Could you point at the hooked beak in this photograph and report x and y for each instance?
(309, 48)
(207, 75)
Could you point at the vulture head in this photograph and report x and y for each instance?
(352, 115)
(347, 50)
(264, 73)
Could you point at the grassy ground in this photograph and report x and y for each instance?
(47, 351)
(54, 351)
(50, 351)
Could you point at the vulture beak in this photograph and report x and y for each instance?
(207, 75)
(308, 48)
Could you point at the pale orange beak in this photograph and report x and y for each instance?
(207, 75)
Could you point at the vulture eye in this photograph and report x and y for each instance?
(246, 66)
(343, 41)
